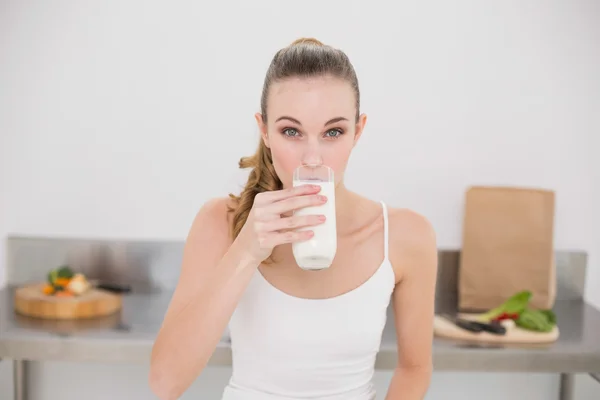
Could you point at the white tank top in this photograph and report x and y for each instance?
(288, 348)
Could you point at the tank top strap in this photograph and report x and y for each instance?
(386, 235)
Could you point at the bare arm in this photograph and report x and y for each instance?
(214, 274)
(413, 302)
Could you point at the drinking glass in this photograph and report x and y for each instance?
(318, 252)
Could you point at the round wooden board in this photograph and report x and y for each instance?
(444, 328)
(70, 326)
(32, 302)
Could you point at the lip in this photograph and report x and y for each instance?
(314, 166)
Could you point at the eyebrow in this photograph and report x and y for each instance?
(294, 120)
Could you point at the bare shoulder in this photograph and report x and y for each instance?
(210, 230)
(413, 243)
(408, 225)
(213, 215)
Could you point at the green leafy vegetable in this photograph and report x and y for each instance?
(65, 272)
(527, 318)
(536, 320)
(550, 315)
(60, 272)
(52, 275)
(514, 305)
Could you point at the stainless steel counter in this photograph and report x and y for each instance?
(128, 336)
(151, 268)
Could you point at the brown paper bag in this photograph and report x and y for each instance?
(508, 246)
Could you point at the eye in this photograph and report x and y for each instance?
(333, 133)
(291, 132)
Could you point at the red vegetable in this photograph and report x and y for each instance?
(506, 315)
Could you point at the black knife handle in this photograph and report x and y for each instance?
(468, 325)
(493, 327)
(114, 287)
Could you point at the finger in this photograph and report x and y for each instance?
(278, 195)
(276, 239)
(295, 203)
(293, 222)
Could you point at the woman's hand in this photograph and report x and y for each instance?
(270, 224)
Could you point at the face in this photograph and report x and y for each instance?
(310, 121)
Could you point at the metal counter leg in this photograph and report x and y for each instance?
(567, 387)
(20, 379)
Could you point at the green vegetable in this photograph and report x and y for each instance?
(60, 272)
(65, 272)
(52, 275)
(514, 305)
(533, 320)
(536, 320)
(550, 315)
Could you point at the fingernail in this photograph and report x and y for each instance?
(321, 218)
(322, 198)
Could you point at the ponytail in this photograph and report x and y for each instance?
(262, 178)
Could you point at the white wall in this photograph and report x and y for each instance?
(120, 119)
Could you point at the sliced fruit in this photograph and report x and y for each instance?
(78, 284)
(64, 282)
(48, 289)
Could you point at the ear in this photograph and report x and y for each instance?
(262, 128)
(360, 126)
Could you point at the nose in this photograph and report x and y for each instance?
(312, 155)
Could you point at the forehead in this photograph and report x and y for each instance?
(311, 99)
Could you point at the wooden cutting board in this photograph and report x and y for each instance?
(444, 328)
(70, 326)
(31, 301)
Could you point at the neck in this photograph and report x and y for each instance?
(345, 205)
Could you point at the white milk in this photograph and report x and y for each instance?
(318, 252)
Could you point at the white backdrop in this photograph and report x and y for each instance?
(119, 119)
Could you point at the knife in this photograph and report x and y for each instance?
(110, 286)
(495, 328)
(464, 324)
(114, 287)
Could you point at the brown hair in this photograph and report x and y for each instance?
(305, 57)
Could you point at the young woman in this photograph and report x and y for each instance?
(300, 334)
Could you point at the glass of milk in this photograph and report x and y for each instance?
(318, 252)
